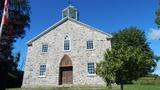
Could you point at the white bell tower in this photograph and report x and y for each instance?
(70, 12)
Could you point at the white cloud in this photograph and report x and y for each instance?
(154, 34)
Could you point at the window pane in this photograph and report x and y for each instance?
(91, 69)
(66, 45)
(72, 13)
(45, 48)
(65, 13)
(90, 44)
(42, 70)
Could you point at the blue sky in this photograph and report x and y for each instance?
(107, 15)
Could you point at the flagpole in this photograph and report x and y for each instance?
(4, 17)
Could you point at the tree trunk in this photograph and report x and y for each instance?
(121, 83)
(3, 75)
(108, 83)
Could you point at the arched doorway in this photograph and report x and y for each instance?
(65, 71)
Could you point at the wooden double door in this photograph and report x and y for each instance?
(66, 75)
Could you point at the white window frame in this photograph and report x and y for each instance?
(90, 68)
(42, 71)
(87, 42)
(67, 39)
(42, 47)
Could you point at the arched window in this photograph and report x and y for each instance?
(66, 43)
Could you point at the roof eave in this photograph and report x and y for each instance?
(60, 22)
(47, 30)
(109, 35)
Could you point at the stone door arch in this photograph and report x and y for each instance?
(65, 71)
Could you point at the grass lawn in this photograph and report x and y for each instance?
(126, 87)
(62, 88)
(142, 87)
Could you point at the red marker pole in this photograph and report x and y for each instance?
(4, 17)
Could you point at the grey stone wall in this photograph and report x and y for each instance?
(79, 55)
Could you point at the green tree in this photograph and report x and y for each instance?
(108, 67)
(132, 55)
(157, 58)
(157, 13)
(157, 20)
(13, 64)
(19, 19)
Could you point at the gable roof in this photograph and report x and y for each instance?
(62, 21)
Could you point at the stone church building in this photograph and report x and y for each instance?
(66, 53)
